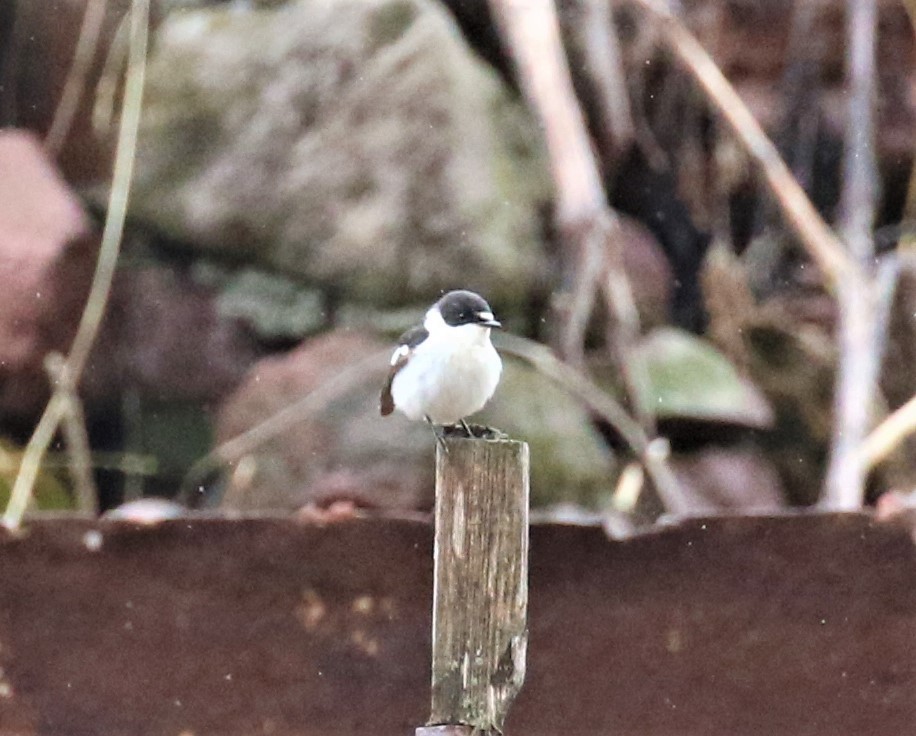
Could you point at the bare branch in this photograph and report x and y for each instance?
(604, 66)
(889, 434)
(859, 167)
(533, 34)
(859, 335)
(588, 226)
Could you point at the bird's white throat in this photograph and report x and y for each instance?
(461, 336)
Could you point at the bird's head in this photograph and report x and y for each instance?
(461, 313)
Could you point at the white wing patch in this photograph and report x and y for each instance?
(402, 352)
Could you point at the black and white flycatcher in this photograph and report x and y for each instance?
(445, 369)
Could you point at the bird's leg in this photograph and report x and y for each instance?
(438, 432)
(467, 429)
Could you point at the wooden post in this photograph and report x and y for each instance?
(480, 592)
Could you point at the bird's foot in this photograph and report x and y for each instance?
(473, 431)
(439, 433)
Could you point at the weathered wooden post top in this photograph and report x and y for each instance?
(480, 589)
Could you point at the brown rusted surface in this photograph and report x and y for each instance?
(794, 625)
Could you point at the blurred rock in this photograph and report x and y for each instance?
(341, 450)
(47, 252)
(276, 308)
(163, 338)
(733, 479)
(359, 145)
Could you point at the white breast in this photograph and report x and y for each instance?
(449, 376)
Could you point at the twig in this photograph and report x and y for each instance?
(844, 488)
(859, 335)
(624, 333)
(75, 436)
(106, 90)
(813, 233)
(859, 167)
(76, 76)
(889, 434)
(235, 449)
(652, 453)
(908, 239)
(586, 222)
(105, 267)
(604, 66)
(30, 464)
(532, 31)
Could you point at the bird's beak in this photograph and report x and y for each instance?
(486, 319)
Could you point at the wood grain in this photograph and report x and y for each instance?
(480, 593)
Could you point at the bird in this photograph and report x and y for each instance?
(445, 369)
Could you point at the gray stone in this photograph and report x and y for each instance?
(273, 306)
(356, 144)
(340, 449)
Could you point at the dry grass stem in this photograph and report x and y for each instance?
(105, 106)
(888, 435)
(75, 436)
(107, 261)
(533, 35)
(77, 75)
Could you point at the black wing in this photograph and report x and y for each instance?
(407, 343)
